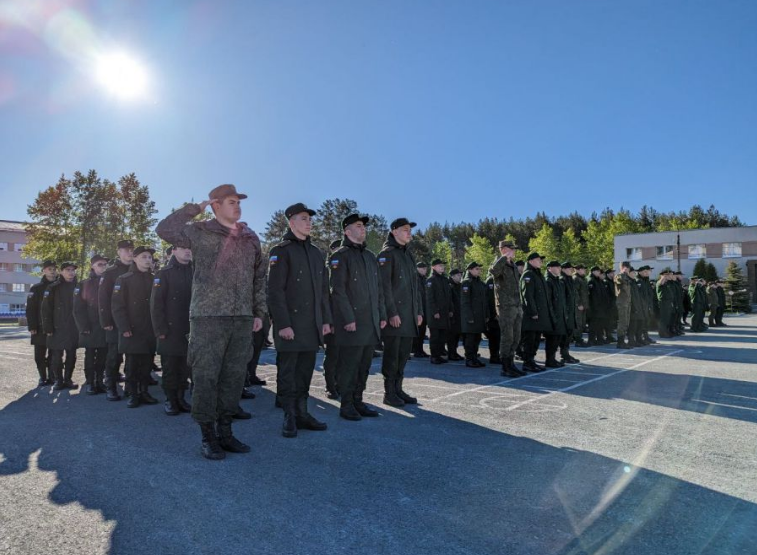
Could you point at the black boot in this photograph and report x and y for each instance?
(508, 371)
(247, 393)
(305, 420)
(622, 343)
(473, 363)
(171, 406)
(348, 410)
(531, 366)
(438, 360)
(648, 340)
(408, 399)
(183, 405)
(58, 378)
(289, 429)
(390, 394)
(495, 359)
(99, 385)
(134, 398)
(514, 368)
(211, 448)
(331, 392)
(242, 414)
(362, 408)
(226, 439)
(552, 362)
(144, 395)
(42, 371)
(112, 393)
(254, 380)
(67, 382)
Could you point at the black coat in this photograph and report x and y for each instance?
(169, 307)
(571, 302)
(34, 310)
(298, 293)
(438, 301)
(558, 300)
(533, 294)
(474, 305)
(402, 294)
(491, 299)
(58, 315)
(91, 333)
(130, 306)
(104, 296)
(422, 293)
(356, 294)
(454, 321)
(599, 302)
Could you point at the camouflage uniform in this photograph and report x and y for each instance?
(509, 309)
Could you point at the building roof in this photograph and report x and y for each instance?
(12, 225)
(744, 227)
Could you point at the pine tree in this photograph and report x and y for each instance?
(736, 289)
(700, 268)
(480, 250)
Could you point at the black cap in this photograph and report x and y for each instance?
(298, 208)
(595, 269)
(126, 244)
(679, 273)
(455, 272)
(533, 256)
(520, 263)
(553, 264)
(97, 258)
(352, 218)
(566, 265)
(645, 267)
(437, 261)
(609, 270)
(579, 267)
(473, 265)
(141, 249)
(632, 269)
(399, 222)
(666, 270)
(65, 265)
(48, 263)
(421, 265)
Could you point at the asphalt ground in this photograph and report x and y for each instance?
(649, 451)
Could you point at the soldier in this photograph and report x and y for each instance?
(418, 352)
(454, 331)
(599, 304)
(558, 303)
(169, 311)
(638, 310)
(611, 321)
(359, 315)
(520, 266)
(623, 284)
(581, 287)
(331, 351)
(34, 321)
(493, 332)
(713, 301)
(258, 344)
(113, 358)
(666, 296)
(439, 305)
(60, 327)
(648, 302)
(537, 311)
(571, 313)
(721, 304)
(298, 298)
(404, 309)
(474, 313)
(130, 306)
(228, 305)
(91, 333)
(506, 278)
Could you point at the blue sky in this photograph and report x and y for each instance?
(438, 110)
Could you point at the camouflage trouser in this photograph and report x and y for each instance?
(510, 318)
(219, 349)
(624, 318)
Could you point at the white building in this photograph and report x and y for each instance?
(15, 271)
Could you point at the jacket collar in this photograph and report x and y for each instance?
(290, 236)
(391, 241)
(217, 227)
(347, 242)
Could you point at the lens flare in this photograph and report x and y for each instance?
(121, 75)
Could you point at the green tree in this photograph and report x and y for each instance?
(736, 289)
(700, 268)
(51, 232)
(570, 248)
(545, 243)
(711, 273)
(443, 251)
(480, 250)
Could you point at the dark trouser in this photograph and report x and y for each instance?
(176, 373)
(580, 324)
(596, 328)
(396, 352)
(453, 339)
(94, 364)
(719, 315)
(552, 343)
(418, 341)
(565, 341)
(331, 364)
(42, 361)
(258, 340)
(60, 369)
(437, 342)
(113, 362)
(711, 318)
(219, 350)
(353, 369)
(138, 372)
(295, 371)
(493, 335)
(471, 342)
(530, 340)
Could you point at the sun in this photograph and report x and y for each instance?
(122, 76)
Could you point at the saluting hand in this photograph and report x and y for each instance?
(286, 334)
(395, 321)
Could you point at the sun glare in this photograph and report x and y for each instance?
(122, 76)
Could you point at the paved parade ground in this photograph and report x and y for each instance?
(650, 451)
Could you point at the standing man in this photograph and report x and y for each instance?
(611, 322)
(474, 313)
(331, 350)
(359, 315)
(713, 300)
(298, 298)
(113, 358)
(60, 327)
(537, 311)
(493, 332)
(679, 304)
(91, 333)
(666, 296)
(34, 321)
(169, 311)
(418, 352)
(439, 305)
(404, 309)
(698, 297)
(506, 278)
(558, 302)
(581, 287)
(623, 285)
(599, 305)
(571, 313)
(453, 333)
(228, 305)
(721, 305)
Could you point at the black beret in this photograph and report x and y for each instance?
(298, 208)
(352, 218)
(455, 272)
(399, 222)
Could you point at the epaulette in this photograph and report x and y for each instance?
(284, 243)
(343, 248)
(126, 275)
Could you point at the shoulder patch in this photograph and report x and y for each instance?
(156, 282)
(382, 260)
(30, 295)
(334, 263)
(429, 283)
(491, 286)
(47, 293)
(76, 290)
(101, 280)
(273, 260)
(117, 288)
(527, 279)
(465, 288)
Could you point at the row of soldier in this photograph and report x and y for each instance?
(207, 311)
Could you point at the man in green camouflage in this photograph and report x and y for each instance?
(509, 309)
(228, 305)
(623, 285)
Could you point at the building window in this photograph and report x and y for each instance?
(665, 253)
(633, 253)
(731, 250)
(18, 267)
(697, 251)
(5, 267)
(3, 246)
(3, 287)
(19, 288)
(18, 247)
(18, 307)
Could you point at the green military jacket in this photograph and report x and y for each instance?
(402, 294)
(506, 283)
(713, 298)
(474, 305)
(623, 285)
(581, 287)
(229, 271)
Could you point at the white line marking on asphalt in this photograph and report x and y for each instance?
(598, 378)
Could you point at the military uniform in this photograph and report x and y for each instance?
(599, 305)
(59, 325)
(666, 297)
(298, 298)
(455, 329)
(571, 315)
(331, 350)
(418, 351)
(611, 320)
(357, 297)
(104, 296)
(130, 306)
(493, 332)
(623, 286)
(537, 313)
(474, 314)
(581, 288)
(169, 310)
(721, 306)
(638, 314)
(438, 302)
(91, 333)
(506, 280)
(402, 298)
(713, 301)
(558, 302)
(34, 323)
